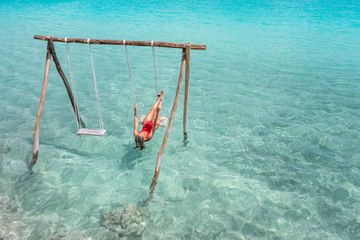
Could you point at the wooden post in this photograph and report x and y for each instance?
(171, 120)
(187, 81)
(40, 108)
(66, 83)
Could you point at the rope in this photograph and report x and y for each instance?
(155, 72)
(130, 72)
(101, 123)
(72, 82)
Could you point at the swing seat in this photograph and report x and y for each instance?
(93, 132)
(163, 120)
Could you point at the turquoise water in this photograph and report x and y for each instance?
(273, 125)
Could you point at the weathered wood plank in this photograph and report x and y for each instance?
(121, 42)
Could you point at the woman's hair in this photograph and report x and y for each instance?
(139, 140)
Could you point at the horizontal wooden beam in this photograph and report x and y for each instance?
(121, 42)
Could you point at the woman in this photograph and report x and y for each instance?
(150, 123)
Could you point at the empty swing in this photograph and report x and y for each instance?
(163, 120)
(80, 130)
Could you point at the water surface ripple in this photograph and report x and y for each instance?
(274, 124)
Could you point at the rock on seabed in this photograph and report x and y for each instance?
(126, 222)
(11, 226)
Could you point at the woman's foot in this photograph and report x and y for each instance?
(161, 93)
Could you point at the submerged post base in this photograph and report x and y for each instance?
(185, 137)
(33, 161)
(154, 181)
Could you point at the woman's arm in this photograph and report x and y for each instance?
(135, 121)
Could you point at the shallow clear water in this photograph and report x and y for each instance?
(274, 124)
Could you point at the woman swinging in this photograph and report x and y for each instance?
(150, 123)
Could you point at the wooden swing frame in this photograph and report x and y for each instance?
(184, 68)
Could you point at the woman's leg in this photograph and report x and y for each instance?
(152, 113)
(156, 116)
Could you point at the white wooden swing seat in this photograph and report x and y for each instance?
(93, 132)
(163, 120)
